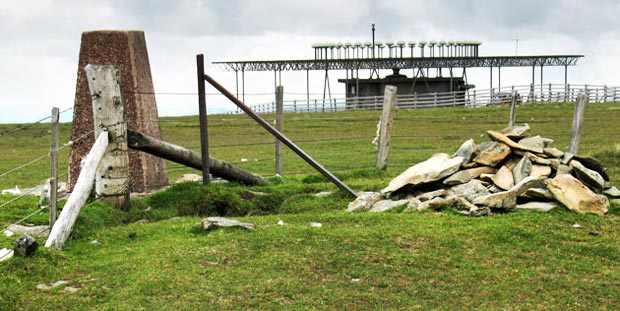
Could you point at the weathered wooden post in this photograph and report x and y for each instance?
(385, 126)
(513, 107)
(202, 108)
(54, 166)
(63, 226)
(279, 112)
(580, 107)
(112, 179)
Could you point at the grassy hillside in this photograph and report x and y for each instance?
(392, 261)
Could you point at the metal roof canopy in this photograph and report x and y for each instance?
(402, 63)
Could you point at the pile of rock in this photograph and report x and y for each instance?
(513, 171)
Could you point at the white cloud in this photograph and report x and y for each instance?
(41, 39)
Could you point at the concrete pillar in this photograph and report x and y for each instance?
(126, 49)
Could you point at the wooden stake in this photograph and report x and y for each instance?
(63, 226)
(202, 115)
(580, 107)
(112, 180)
(54, 166)
(513, 107)
(279, 112)
(385, 126)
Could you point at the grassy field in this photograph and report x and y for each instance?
(392, 261)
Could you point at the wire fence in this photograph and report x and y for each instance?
(341, 139)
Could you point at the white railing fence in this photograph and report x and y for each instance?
(539, 93)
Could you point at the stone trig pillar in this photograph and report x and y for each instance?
(127, 50)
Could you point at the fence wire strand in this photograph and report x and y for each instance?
(3, 134)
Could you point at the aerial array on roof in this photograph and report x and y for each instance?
(395, 49)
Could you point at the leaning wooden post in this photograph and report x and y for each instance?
(580, 107)
(513, 107)
(63, 226)
(54, 167)
(385, 126)
(112, 180)
(279, 112)
(202, 111)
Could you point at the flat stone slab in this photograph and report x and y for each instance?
(386, 205)
(470, 190)
(563, 169)
(212, 222)
(522, 169)
(538, 194)
(517, 131)
(537, 206)
(589, 177)
(500, 200)
(188, 178)
(39, 231)
(465, 176)
(534, 158)
(501, 138)
(612, 192)
(540, 171)
(431, 195)
(594, 165)
(576, 196)
(535, 143)
(435, 204)
(364, 201)
(554, 152)
(493, 155)
(528, 183)
(437, 167)
(503, 179)
(467, 150)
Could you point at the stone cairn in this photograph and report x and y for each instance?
(513, 171)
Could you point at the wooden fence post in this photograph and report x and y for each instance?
(279, 112)
(385, 126)
(54, 166)
(112, 179)
(580, 107)
(62, 228)
(202, 111)
(513, 107)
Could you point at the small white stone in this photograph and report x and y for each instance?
(281, 223)
(355, 280)
(59, 283)
(576, 226)
(323, 194)
(244, 160)
(316, 225)
(8, 233)
(6, 254)
(71, 290)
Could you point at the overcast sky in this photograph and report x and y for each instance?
(41, 39)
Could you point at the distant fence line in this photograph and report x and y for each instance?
(472, 98)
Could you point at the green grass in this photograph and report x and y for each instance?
(362, 261)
